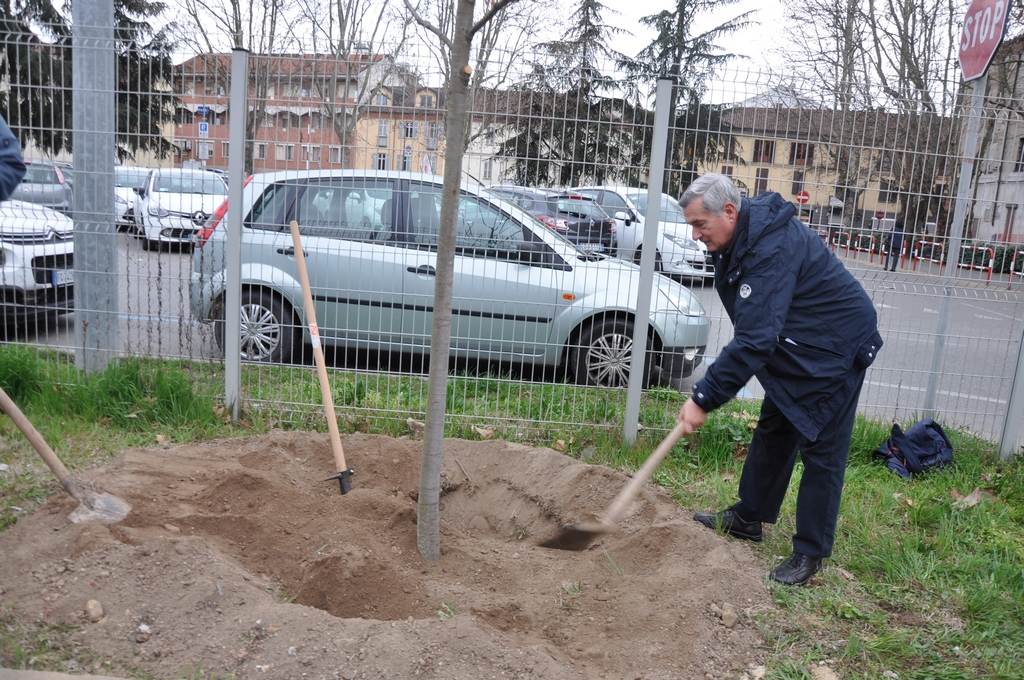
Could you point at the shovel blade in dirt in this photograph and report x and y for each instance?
(102, 507)
(578, 537)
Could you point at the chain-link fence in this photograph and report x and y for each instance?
(350, 144)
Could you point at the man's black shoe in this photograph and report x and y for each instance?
(797, 570)
(730, 523)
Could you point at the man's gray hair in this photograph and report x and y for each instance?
(716, 190)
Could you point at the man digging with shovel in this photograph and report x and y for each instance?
(805, 327)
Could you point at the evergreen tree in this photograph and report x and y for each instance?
(574, 133)
(690, 60)
(37, 67)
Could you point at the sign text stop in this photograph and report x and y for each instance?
(984, 28)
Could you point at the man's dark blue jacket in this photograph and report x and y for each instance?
(12, 167)
(803, 324)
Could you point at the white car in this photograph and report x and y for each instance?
(37, 272)
(678, 254)
(172, 205)
(126, 178)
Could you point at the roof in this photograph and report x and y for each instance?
(282, 65)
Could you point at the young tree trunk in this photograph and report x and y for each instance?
(428, 535)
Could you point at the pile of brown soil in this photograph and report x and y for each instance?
(239, 560)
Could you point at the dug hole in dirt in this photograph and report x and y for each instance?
(237, 560)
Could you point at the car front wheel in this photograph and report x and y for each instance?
(267, 328)
(604, 353)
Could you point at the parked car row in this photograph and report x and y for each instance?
(611, 220)
(523, 291)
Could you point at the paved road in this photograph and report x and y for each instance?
(985, 328)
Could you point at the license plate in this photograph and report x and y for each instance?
(62, 277)
(590, 246)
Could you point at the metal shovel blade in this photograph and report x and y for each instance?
(577, 537)
(100, 507)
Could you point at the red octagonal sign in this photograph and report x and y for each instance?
(984, 28)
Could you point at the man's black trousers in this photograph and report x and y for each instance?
(769, 466)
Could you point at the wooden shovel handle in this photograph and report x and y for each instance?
(625, 496)
(40, 445)
(318, 351)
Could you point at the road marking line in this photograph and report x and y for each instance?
(945, 393)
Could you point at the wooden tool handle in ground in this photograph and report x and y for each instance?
(318, 355)
(40, 445)
(625, 496)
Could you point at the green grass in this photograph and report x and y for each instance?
(917, 585)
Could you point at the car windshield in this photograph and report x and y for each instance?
(130, 177)
(671, 211)
(190, 184)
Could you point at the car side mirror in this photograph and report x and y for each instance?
(141, 191)
(625, 217)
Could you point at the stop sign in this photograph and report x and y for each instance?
(803, 197)
(984, 28)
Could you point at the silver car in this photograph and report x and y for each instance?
(46, 183)
(522, 294)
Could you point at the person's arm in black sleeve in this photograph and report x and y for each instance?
(12, 165)
(759, 318)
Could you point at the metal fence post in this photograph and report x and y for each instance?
(94, 117)
(955, 235)
(1008, 442)
(662, 105)
(236, 180)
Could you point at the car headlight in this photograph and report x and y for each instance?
(683, 300)
(682, 241)
(120, 199)
(156, 210)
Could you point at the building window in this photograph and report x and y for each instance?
(381, 99)
(487, 169)
(727, 171)
(764, 150)
(261, 152)
(220, 118)
(1019, 167)
(411, 130)
(887, 191)
(382, 133)
(284, 152)
(801, 153)
(489, 137)
(761, 185)
(224, 149)
(407, 161)
(380, 161)
(220, 90)
(311, 153)
(426, 101)
(798, 182)
(335, 154)
(185, 117)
